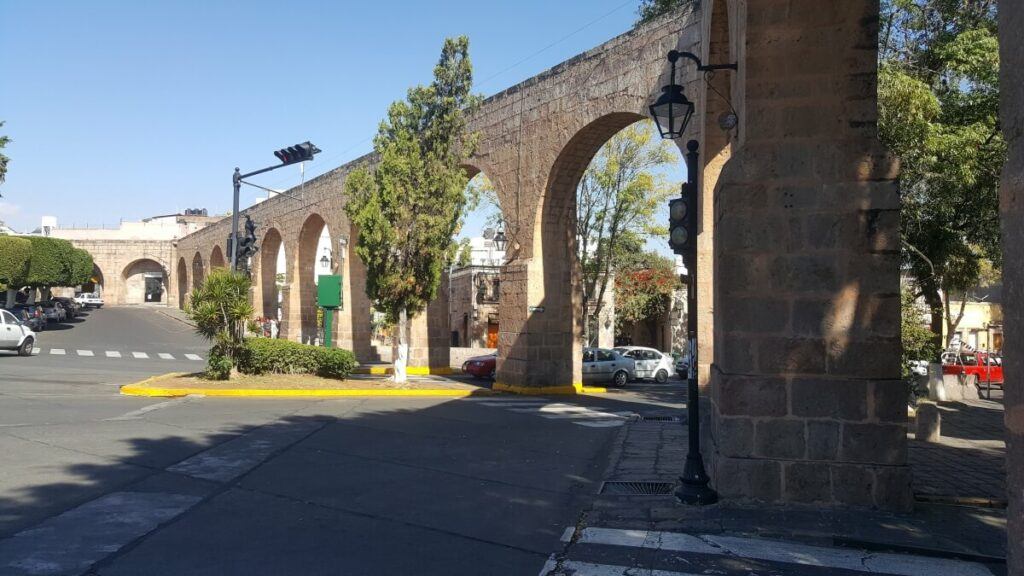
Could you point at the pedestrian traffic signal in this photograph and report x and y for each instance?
(682, 223)
(298, 153)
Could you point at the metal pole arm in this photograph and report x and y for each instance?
(675, 55)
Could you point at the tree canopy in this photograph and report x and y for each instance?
(651, 9)
(15, 253)
(938, 93)
(4, 141)
(55, 262)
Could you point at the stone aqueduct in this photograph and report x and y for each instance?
(799, 246)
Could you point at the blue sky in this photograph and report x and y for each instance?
(123, 110)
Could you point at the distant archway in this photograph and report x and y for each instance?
(217, 258)
(313, 252)
(182, 283)
(95, 283)
(273, 274)
(198, 271)
(145, 282)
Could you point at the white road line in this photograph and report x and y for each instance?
(601, 423)
(193, 356)
(57, 351)
(71, 542)
(137, 414)
(779, 551)
(165, 356)
(113, 354)
(84, 352)
(36, 351)
(140, 355)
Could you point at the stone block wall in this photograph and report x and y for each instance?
(121, 263)
(807, 405)
(1011, 20)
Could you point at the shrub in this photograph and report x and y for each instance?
(335, 363)
(271, 356)
(218, 366)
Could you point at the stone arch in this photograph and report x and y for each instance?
(305, 267)
(559, 352)
(198, 271)
(145, 282)
(182, 283)
(272, 252)
(95, 283)
(217, 258)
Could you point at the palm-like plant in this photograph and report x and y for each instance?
(220, 309)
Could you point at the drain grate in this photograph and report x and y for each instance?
(658, 418)
(620, 488)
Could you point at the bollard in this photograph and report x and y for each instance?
(928, 422)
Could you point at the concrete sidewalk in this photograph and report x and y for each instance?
(654, 451)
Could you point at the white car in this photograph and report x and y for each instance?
(649, 362)
(15, 336)
(89, 300)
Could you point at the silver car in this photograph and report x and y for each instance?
(601, 365)
(649, 362)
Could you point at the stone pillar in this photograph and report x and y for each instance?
(1011, 19)
(430, 344)
(806, 401)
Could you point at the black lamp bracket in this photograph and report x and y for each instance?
(675, 55)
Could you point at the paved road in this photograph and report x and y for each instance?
(93, 482)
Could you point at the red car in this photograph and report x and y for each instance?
(481, 366)
(983, 364)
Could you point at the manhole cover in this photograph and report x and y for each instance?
(622, 488)
(658, 418)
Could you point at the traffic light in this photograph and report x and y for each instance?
(682, 226)
(298, 153)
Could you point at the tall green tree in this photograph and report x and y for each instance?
(617, 203)
(651, 9)
(938, 110)
(407, 209)
(4, 141)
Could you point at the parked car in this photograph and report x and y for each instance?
(983, 364)
(601, 365)
(30, 316)
(649, 362)
(89, 300)
(53, 311)
(918, 367)
(481, 366)
(14, 335)
(683, 367)
(70, 306)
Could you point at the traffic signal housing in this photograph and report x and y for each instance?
(682, 226)
(298, 153)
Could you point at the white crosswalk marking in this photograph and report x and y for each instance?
(113, 354)
(84, 352)
(140, 355)
(165, 356)
(764, 550)
(57, 351)
(588, 569)
(193, 356)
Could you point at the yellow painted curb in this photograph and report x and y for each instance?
(146, 388)
(575, 388)
(412, 370)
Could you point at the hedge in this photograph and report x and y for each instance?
(272, 356)
(14, 257)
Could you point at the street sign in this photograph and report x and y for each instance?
(328, 293)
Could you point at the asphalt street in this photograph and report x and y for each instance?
(98, 483)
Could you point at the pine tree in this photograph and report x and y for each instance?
(407, 208)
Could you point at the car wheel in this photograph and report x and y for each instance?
(26, 347)
(661, 377)
(620, 378)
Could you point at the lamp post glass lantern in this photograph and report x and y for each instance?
(500, 241)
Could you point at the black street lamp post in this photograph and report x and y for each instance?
(290, 155)
(672, 112)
